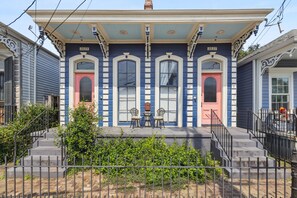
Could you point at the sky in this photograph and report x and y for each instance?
(11, 9)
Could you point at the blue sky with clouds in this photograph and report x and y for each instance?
(10, 9)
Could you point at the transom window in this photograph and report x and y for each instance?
(85, 65)
(211, 65)
(126, 89)
(168, 89)
(280, 93)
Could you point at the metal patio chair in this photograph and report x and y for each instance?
(135, 119)
(159, 119)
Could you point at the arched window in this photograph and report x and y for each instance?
(169, 89)
(85, 90)
(211, 65)
(210, 90)
(126, 89)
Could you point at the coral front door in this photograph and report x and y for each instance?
(84, 88)
(211, 96)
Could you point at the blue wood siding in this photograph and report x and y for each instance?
(295, 89)
(244, 93)
(47, 75)
(265, 90)
(223, 50)
(73, 50)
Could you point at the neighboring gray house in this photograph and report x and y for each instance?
(25, 75)
(267, 78)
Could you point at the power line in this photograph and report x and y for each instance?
(279, 14)
(81, 20)
(53, 14)
(20, 15)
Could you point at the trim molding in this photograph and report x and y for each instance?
(224, 61)
(59, 44)
(72, 61)
(180, 84)
(11, 44)
(115, 84)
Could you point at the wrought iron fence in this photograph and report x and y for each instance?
(222, 134)
(277, 144)
(48, 179)
(7, 114)
(34, 129)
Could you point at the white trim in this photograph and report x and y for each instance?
(260, 88)
(254, 67)
(224, 61)
(72, 61)
(115, 83)
(282, 73)
(180, 84)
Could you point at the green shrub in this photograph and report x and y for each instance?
(81, 132)
(25, 121)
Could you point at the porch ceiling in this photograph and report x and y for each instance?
(171, 26)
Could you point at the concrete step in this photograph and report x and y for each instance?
(262, 173)
(51, 135)
(252, 162)
(45, 151)
(42, 160)
(248, 152)
(46, 143)
(43, 172)
(244, 143)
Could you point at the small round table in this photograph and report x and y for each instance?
(147, 119)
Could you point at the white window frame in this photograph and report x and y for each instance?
(180, 63)
(282, 73)
(224, 70)
(116, 61)
(72, 65)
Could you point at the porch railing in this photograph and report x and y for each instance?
(277, 144)
(284, 123)
(222, 134)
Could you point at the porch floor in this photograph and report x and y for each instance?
(173, 132)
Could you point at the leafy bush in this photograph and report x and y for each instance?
(24, 120)
(81, 132)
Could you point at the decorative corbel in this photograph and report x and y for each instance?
(237, 45)
(192, 44)
(272, 61)
(147, 41)
(59, 45)
(10, 44)
(102, 42)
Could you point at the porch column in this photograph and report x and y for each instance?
(147, 92)
(105, 97)
(190, 75)
(234, 93)
(62, 91)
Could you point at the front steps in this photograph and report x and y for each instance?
(44, 159)
(249, 159)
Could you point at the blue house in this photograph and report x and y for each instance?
(184, 61)
(267, 78)
(26, 76)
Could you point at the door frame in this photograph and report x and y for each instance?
(115, 63)
(224, 71)
(180, 63)
(72, 63)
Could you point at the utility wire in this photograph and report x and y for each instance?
(20, 15)
(270, 23)
(81, 20)
(53, 14)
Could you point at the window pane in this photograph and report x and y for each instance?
(172, 79)
(85, 66)
(164, 104)
(274, 81)
(122, 79)
(131, 67)
(131, 79)
(164, 67)
(122, 67)
(210, 90)
(164, 92)
(85, 89)
(274, 89)
(172, 67)
(164, 79)
(211, 65)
